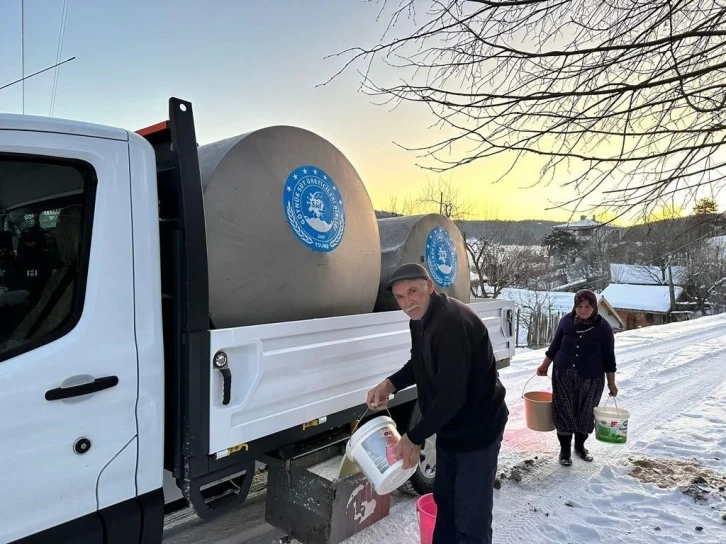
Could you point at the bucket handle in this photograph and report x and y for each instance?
(525, 383)
(355, 428)
(617, 412)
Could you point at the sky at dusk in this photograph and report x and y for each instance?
(245, 65)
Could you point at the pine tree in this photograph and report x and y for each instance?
(706, 206)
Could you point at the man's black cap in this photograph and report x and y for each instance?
(408, 271)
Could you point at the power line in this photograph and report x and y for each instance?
(35, 74)
(59, 52)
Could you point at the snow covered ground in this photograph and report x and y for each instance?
(672, 379)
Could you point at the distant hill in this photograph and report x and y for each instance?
(524, 232)
(681, 230)
(380, 214)
(532, 231)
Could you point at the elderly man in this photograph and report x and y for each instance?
(462, 401)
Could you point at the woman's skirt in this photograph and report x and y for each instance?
(574, 399)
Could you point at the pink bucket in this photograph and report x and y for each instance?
(426, 509)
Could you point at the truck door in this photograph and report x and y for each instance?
(68, 359)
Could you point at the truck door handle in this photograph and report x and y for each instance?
(99, 384)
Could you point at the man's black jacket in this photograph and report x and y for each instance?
(453, 367)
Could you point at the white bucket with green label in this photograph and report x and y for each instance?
(611, 424)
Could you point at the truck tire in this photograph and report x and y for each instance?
(422, 480)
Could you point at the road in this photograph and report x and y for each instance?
(243, 526)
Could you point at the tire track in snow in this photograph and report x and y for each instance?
(686, 383)
(669, 347)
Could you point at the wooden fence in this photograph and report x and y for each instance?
(538, 327)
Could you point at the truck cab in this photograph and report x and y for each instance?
(112, 375)
(80, 348)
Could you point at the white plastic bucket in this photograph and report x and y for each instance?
(371, 447)
(611, 424)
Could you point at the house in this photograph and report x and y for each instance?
(578, 250)
(642, 305)
(641, 294)
(582, 229)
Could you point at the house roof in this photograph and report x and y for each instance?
(581, 224)
(641, 298)
(637, 274)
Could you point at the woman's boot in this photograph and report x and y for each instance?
(580, 450)
(565, 444)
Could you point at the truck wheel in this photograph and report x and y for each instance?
(422, 480)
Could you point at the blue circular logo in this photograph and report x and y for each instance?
(314, 208)
(441, 257)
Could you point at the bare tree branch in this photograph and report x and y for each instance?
(622, 97)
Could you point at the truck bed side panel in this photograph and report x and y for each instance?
(286, 374)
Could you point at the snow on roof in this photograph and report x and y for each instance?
(637, 274)
(582, 223)
(645, 298)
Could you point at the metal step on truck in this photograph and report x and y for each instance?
(115, 371)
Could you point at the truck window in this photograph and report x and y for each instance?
(44, 210)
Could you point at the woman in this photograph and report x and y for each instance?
(583, 351)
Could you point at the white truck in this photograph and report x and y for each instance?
(112, 377)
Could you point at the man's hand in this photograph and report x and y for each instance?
(378, 396)
(408, 451)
